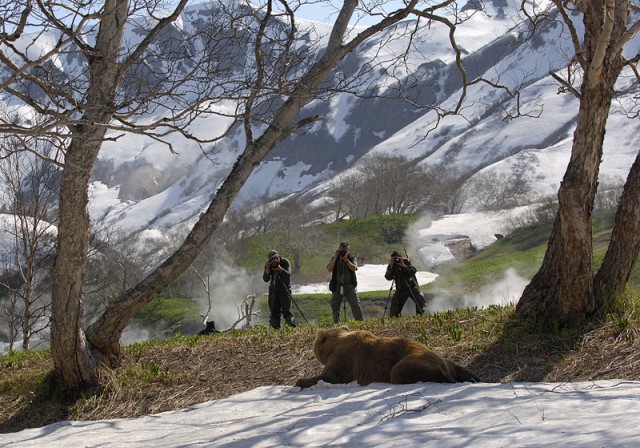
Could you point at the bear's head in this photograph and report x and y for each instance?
(326, 342)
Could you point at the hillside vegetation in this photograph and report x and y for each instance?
(495, 344)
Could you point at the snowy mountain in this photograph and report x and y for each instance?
(140, 185)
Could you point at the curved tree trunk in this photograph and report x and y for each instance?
(105, 333)
(613, 275)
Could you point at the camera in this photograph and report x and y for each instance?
(342, 253)
(397, 260)
(274, 262)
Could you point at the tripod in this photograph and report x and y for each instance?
(339, 298)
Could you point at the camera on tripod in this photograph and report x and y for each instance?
(274, 261)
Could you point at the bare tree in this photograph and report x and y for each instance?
(562, 290)
(10, 313)
(490, 193)
(446, 192)
(294, 233)
(381, 185)
(396, 184)
(352, 200)
(114, 264)
(107, 87)
(29, 197)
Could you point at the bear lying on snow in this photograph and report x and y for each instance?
(366, 358)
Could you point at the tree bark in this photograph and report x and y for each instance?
(613, 275)
(562, 290)
(73, 361)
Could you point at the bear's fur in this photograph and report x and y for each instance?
(363, 357)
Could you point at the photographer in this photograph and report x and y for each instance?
(343, 282)
(277, 272)
(403, 273)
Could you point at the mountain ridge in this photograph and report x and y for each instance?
(139, 185)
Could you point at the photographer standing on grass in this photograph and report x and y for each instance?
(403, 273)
(343, 282)
(277, 271)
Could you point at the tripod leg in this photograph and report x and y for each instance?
(292, 320)
(388, 298)
(419, 308)
(344, 306)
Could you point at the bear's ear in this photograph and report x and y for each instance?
(321, 335)
(344, 328)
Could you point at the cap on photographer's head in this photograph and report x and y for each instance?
(395, 253)
(272, 253)
(344, 244)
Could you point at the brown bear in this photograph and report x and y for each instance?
(366, 358)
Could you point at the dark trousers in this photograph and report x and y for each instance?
(400, 298)
(349, 293)
(280, 303)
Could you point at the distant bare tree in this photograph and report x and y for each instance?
(608, 195)
(29, 198)
(263, 215)
(381, 185)
(114, 264)
(350, 197)
(446, 192)
(398, 184)
(294, 234)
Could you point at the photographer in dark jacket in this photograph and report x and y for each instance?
(404, 274)
(277, 271)
(343, 282)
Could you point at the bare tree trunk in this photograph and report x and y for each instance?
(27, 315)
(562, 290)
(72, 358)
(613, 275)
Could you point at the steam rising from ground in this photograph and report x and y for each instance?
(506, 291)
(427, 238)
(230, 285)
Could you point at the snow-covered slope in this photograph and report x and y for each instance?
(139, 184)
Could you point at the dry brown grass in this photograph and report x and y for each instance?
(174, 374)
